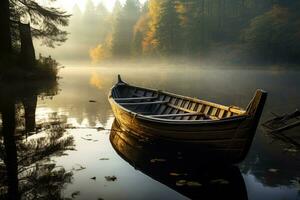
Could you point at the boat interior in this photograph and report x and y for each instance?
(164, 105)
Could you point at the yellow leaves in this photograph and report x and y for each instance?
(188, 183)
(142, 24)
(150, 43)
(154, 14)
(182, 10)
(96, 81)
(98, 53)
(154, 11)
(101, 52)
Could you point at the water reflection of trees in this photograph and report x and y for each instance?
(25, 163)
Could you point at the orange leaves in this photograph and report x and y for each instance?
(182, 10)
(142, 24)
(102, 51)
(150, 41)
(97, 54)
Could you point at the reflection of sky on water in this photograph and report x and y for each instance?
(256, 190)
(79, 86)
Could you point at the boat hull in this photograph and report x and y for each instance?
(224, 132)
(226, 140)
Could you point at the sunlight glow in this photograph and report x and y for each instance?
(68, 4)
(96, 81)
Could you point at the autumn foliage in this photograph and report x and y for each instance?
(239, 30)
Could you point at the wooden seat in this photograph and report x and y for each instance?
(176, 115)
(135, 98)
(144, 103)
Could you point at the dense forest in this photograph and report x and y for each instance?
(222, 31)
(234, 31)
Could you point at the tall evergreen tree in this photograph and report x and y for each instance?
(123, 29)
(102, 23)
(89, 15)
(46, 21)
(169, 33)
(117, 9)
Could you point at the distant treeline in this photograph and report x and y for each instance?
(241, 31)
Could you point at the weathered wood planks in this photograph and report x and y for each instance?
(171, 117)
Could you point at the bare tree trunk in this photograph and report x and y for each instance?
(27, 48)
(5, 35)
(29, 104)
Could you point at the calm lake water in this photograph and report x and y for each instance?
(88, 166)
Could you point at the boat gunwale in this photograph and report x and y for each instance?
(174, 121)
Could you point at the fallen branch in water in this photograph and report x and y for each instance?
(284, 122)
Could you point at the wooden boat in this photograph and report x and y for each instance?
(225, 131)
(176, 168)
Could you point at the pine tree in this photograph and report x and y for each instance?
(169, 32)
(150, 41)
(46, 21)
(102, 23)
(123, 29)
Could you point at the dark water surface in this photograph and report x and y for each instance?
(59, 144)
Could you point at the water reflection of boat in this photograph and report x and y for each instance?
(179, 168)
(224, 131)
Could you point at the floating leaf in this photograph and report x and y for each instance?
(110, 178)
(188, 183)
(80, 168)
(177, 174)
(273, 170)
(193, 184)
(157, 160)
(88, 139)
(181, 182)
(74, 194)
(104, 159)
(143, 139)
(291, 150)
(219, 181)
(174, 174)
(100, 128)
